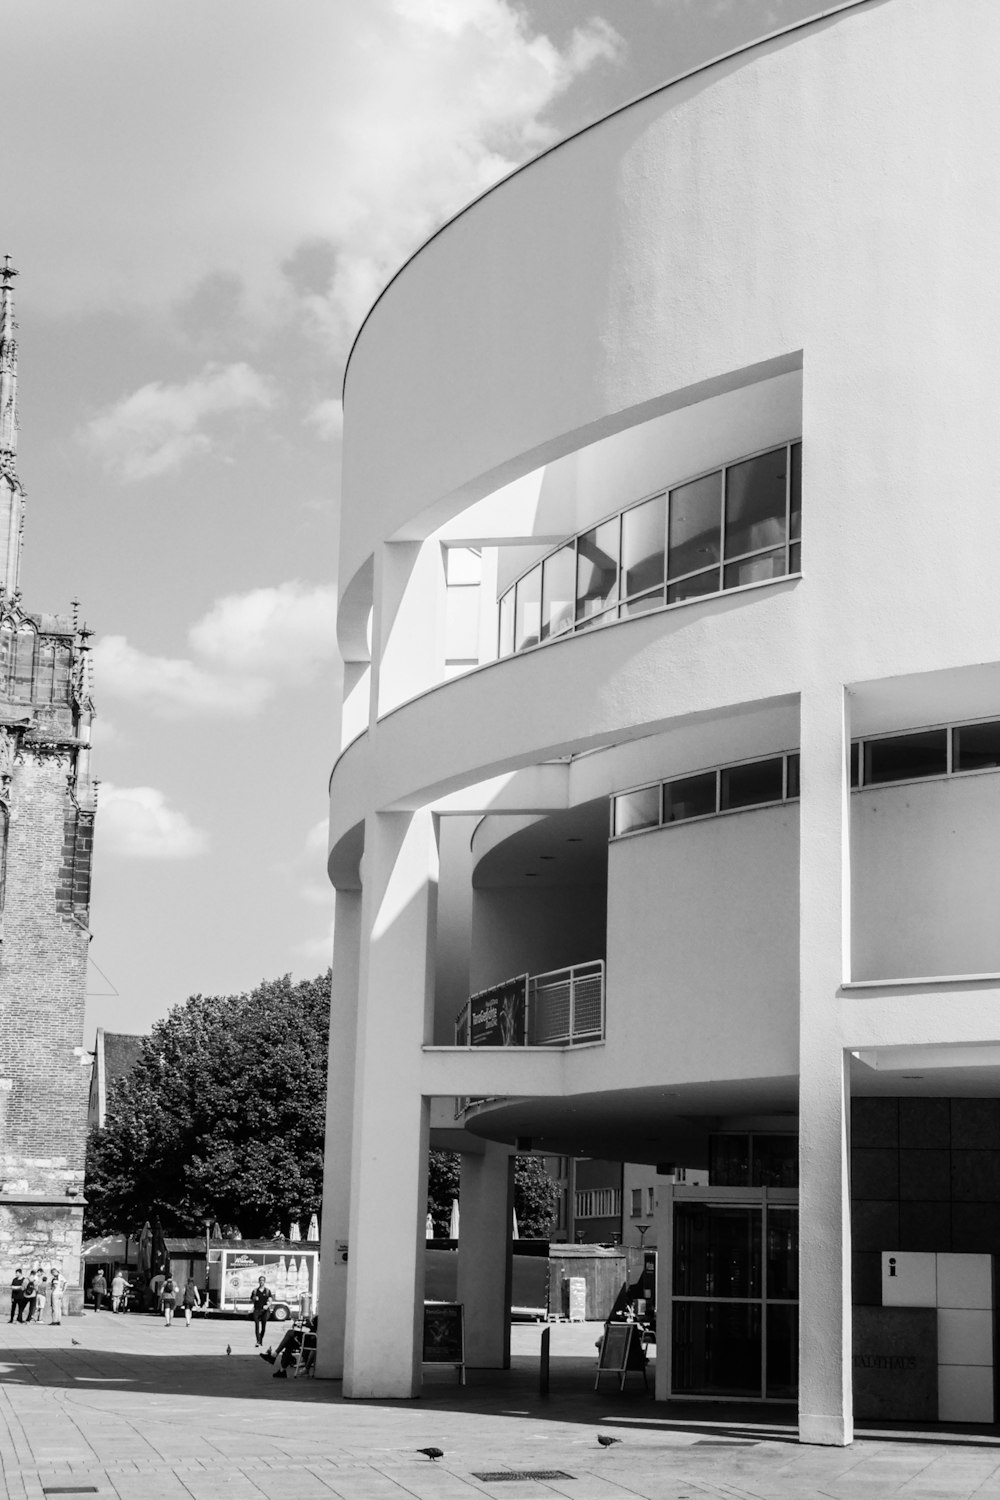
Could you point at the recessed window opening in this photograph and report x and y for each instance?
(728, 529)
(925, 754)
(756, 783)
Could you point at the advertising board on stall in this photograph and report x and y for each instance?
(292, 1273)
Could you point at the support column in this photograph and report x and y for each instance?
(825, 1333)
(332, 1307)
(485, 1255)
(385, 1281)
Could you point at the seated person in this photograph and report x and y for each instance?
(290, 1345)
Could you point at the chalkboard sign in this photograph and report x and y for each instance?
(621, 1350)
(444, 1335)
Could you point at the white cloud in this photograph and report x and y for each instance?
(326, 417)
(243, 650)
(173, 686)
(159, 426)
(284, 633)
(137, 823)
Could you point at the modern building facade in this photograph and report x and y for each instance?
(664, 826)
(47, 807)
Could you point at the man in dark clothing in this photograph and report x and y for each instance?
(17, 1295)
(261, 1298)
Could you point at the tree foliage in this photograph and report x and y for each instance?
(221, 1118)
(535, 1194)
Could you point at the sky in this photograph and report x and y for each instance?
(202, 200)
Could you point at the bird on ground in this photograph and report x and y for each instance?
(432, 1453)
(606, 1441)
(76, 1342)
(229, 1348)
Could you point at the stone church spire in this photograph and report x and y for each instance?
(11, 493)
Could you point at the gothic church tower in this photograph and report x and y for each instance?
(47, 804)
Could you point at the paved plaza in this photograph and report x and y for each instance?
(123, 1407)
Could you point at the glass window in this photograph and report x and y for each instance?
(746, 786)
(795, 513)
(597, 569)
(558, 576)
(651, 1192)
(782, 1352)
(783, 1253)
(856, 764)
(775, 1161)
(694, 588)
(506, 643)
(716, 1251)
(755, 569)
(717, 1348)
(528, 610)
(755, 503)
(906, 757)
(729, 1160)
(695, 522)
(635, 810)
(642, 547)
(792, 775)
(690, 797)
(636, 1202)
(976, 747)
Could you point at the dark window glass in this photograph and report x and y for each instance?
(755, 503)
(976, 747)
(775, 1161)
(558, 578)
(746, 786)
(528, 610)
(856, 764)
(690, 797)
(597, 569)
(754, 569)
(716, 1251)
(716, 1349)
(782, 1352)
(905, 757)
(642, 547)
(795, 558)
(795, 514)
(639, 809)
(792, 776)
(695, 523)
(783, 1253)
(506, 645)
(729, 1160)
(695, 587)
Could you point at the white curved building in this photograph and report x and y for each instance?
(669, 484)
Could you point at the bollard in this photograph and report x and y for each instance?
(543, 1364)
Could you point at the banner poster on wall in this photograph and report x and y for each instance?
(497, 1015)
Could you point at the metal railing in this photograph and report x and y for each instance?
(561, 1008)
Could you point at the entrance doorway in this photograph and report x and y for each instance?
(733, 1293)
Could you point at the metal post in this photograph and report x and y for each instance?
(543, 1363)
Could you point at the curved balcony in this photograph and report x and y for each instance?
(561, 1008)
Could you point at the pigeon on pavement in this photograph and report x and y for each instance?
(606, 1441)
(432, 1453)
(76, 1342)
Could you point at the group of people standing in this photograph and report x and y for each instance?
(32, 1295)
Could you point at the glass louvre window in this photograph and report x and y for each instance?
(756, 500)
(597, 570)
(506, 642)
(528, 610)
(976, 747)
(748, 786)
(695, 587)
(558, 579)
(755, 569)
(635, 810)
(906, 757)
(792, 777)
(856, 764)
(695, 526)
(690, 797)
(643, 530)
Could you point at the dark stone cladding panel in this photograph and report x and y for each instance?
(875, 1122)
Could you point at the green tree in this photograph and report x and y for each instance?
(535, 1194)
(221, 1118)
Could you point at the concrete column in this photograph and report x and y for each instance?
(825, 1386)
(485, 1260)
(332, 1307)
(385, 1281)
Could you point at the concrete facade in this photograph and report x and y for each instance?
(47, 808)
(776, 271)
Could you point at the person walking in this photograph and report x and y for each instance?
(41, 1295)
(98, 1290)
(168, 1297)
(190, 1299)
(17, 1296)
(260, 1300)
(56, 1294)
(30, 1293)
(119, 1286)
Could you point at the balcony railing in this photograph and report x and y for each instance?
(562, 1008)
